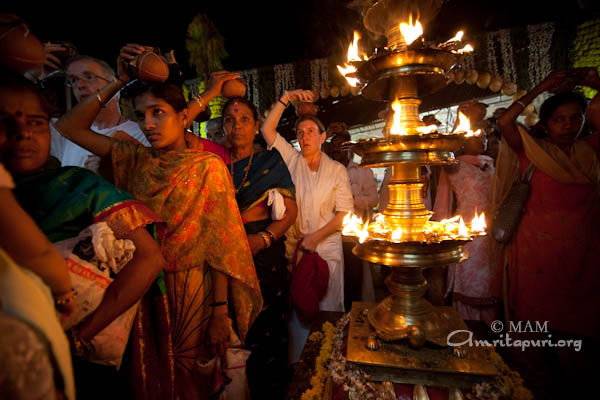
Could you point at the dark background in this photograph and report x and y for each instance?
(266, 32)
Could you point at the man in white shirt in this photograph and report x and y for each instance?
(86, 76)
(357, 274)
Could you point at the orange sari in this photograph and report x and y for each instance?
(193, 193)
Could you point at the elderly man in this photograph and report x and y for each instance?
(86, 76)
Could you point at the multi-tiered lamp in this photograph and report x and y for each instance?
(402, 236)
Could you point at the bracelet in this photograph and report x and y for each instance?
(65, 298)
(198, 99)
(285, 105)
(271, 234)
(218, 303)
(521, 104)
(266, 238)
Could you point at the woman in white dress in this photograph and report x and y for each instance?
(323, 196)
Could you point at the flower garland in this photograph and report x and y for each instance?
(317, 382)
(491, 52)
(324, 73)
(508, 62)
(540, 40)
(507, 385)
(315, 76)
(284, 78)
(346, 374)
(252, 92)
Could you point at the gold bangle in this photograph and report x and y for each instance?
(65, 298)
(265, 237)
(271, 235)
(198, 99)
(521, 104)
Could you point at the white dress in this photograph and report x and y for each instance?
(319, 195)
(71, 154)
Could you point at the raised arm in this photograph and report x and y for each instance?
(589, 77)
(197, 104)
(507, 123)
(132, 282)
(269, 126)
(75, 124)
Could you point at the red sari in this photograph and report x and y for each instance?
(553, 267)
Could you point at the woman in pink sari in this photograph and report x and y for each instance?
(551, 273)
(469, 181)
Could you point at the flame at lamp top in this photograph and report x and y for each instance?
(411, 32)
(353, 48)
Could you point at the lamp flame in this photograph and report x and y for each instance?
(427, 129)
(464, 125)
(363, 234)
(353, 48)
(467, 49)
(397, 235)
(352, 225)
(411, 32)
(463, 231)
(457, 38)
(396, 128)
(347, 69)
(478, 224)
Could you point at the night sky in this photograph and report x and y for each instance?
(259, 32)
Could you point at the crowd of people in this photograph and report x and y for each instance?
(214, 228)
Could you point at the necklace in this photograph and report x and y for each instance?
(247, 169)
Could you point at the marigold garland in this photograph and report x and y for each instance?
(507, 385)
(317, 382)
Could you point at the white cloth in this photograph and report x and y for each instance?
(319, 196)
(276, 202)
(71, 154)
(364, 188)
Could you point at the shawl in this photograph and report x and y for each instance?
(66, 200)
(192, 191)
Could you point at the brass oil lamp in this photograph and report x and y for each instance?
(402, 236)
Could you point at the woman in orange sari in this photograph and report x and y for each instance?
(210, 269)
(552, 275)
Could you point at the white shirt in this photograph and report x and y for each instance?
(319, 195)
(364, 188)
(71, 154)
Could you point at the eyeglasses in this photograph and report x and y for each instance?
(86, 76)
